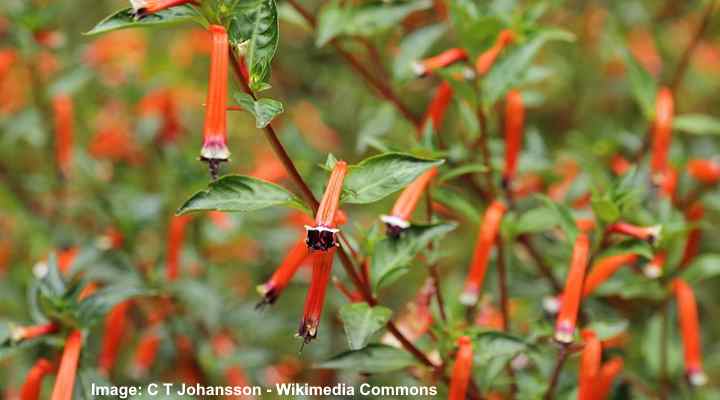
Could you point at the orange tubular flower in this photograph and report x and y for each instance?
(572, 295)
(7, 59)
(438, 106)
(65, 379)
(145, 353)
(654, 268)
(63, 112)
(620, 165)
(649, 233)
(514, 121)
(322, 268)
(214, 148)
(32, 332)
(705, 171)
(143, 8)
(589, 365)
(603, 269)
(66, 257)
(322, 236)
(176, 236)
(483, 247)
(690, 329)
(399, 218)
(462, 369)
(661, 136)
(115, 326)
(442, 60)
(33, 382)
(271, 289)
(608, 372)
(486, 60)
(694, 214)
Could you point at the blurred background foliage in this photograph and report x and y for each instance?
(584, 106)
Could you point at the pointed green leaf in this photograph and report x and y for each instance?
(697, 124)
(362, 321)
(99, 303)
(392, 256)
(264, 110)
(379, 176)
(240, 193)
(254, 28)
(564, 218)
(124, 19)
(375, 358)
(706, 266)
(508, 71)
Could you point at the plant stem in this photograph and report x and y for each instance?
(690, 49)
(381, 86)
(433, 268)
(542, 267)
(310, 198)
(664, 353)
(562, 356)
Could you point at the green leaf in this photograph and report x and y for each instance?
(605, 209)
(379, 176)
(254, 27)
(202, 301)
(564, 218)
(241, 194)
(492, 344)
(375, 358)
(362, 321)
(536, 220)
(476, 29)
(456, 202)
(463, 170)
(697, 124)
(392, 256)
(639, 247)
(100, 302)
(642, 84)
(336, 19)
(706, 266)
(508, 71)
(124, 19)
(264, 110)
(381, 122)
(412, 48)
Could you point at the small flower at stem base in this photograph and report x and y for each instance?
(271, 289)
(572, 294)
(64, 126)
(143, 8)
(483, 246)
(486, 60)
(33, 382)
(603, 269)
(406, 203)
(322, 269)
(654, 268)
(514, 121)
(651, 234)
(589, 365)
(690, 331)
(661, 134)
(115, 330)
(462, 369)
(65, 380)
(214, 149)
(438, 106)
(323, 236)
(442, 60)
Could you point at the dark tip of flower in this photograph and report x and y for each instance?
(394, 231)
(307, 331)
(505, 183)
(213, 166)
(268, 299)
(321, 238)
(140, 13)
